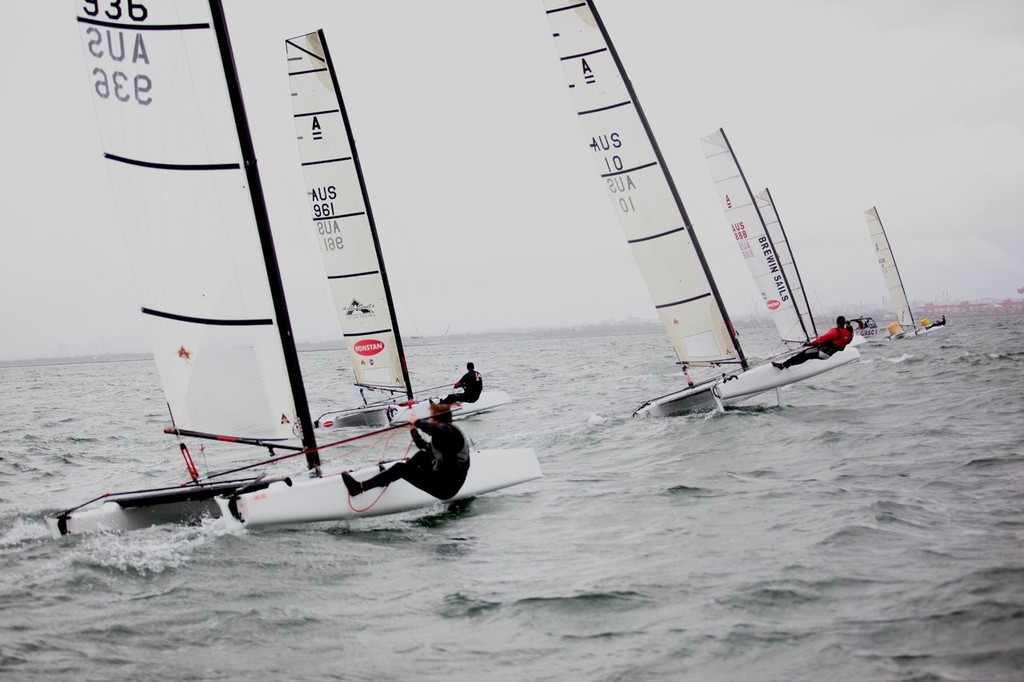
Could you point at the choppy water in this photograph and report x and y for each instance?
(870, 528)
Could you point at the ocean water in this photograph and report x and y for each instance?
(868, 527)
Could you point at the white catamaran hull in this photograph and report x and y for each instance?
(736, 388)
(910, 333)
(397, 413)
(326, 498)
(133, 511)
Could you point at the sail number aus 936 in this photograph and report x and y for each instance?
(122, 79)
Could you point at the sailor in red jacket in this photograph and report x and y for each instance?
(822, 348)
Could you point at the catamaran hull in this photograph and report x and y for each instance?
(736, 388)
(327, 499)
(185, 505)
(911, 333)
(385, 415)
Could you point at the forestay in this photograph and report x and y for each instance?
(640, 188)
(777, 235)
(341, 217)
(890, 273)
(181, 187)
(748, 229)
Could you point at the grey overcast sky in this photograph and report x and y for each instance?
(488, 203)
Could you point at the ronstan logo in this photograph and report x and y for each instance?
(368, 346)
(773, 304)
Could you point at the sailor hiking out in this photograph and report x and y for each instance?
(823, 347)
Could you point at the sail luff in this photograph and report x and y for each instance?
(774, 221)
(262, 217)
(651, 211)
(369, 215)
(890, 271)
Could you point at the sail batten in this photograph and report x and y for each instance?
(641, 190)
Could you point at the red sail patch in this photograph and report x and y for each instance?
(368, 347)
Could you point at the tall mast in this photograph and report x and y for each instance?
(259, 206)
(671, 184)
(789, 246)
(369, 213)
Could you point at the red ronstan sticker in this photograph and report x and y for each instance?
(368, 346)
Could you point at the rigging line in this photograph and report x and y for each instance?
(274, 460)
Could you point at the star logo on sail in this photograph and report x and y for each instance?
(357, 308)
(184, 353)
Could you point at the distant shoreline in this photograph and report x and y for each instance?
(617, 328)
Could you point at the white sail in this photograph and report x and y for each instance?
(777, 233)
(173, 154)
(890, 273)
(748, 229)
(640, 188)
(341, 217)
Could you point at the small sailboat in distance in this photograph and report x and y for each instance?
(651, 213)
(346, 233)
(904, 326)
(183, 169)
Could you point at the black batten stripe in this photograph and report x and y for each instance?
(308, 71)
(656, 236)
(629, 170)
(207, 320)
(317, 163)
(354, 274)
(173, 166)
(319, 113)
(585, 54)
(379, 331)
(685, 300)
(562, 9)
(612, 106)
(338, 217)
(143, 27)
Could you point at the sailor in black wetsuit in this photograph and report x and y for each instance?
(439, 467)
(472, 385)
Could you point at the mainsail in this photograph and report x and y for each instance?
(183, 170)
(777, 233)
(641, 189)
(751, 235)
(342, 219)
(890, 273)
